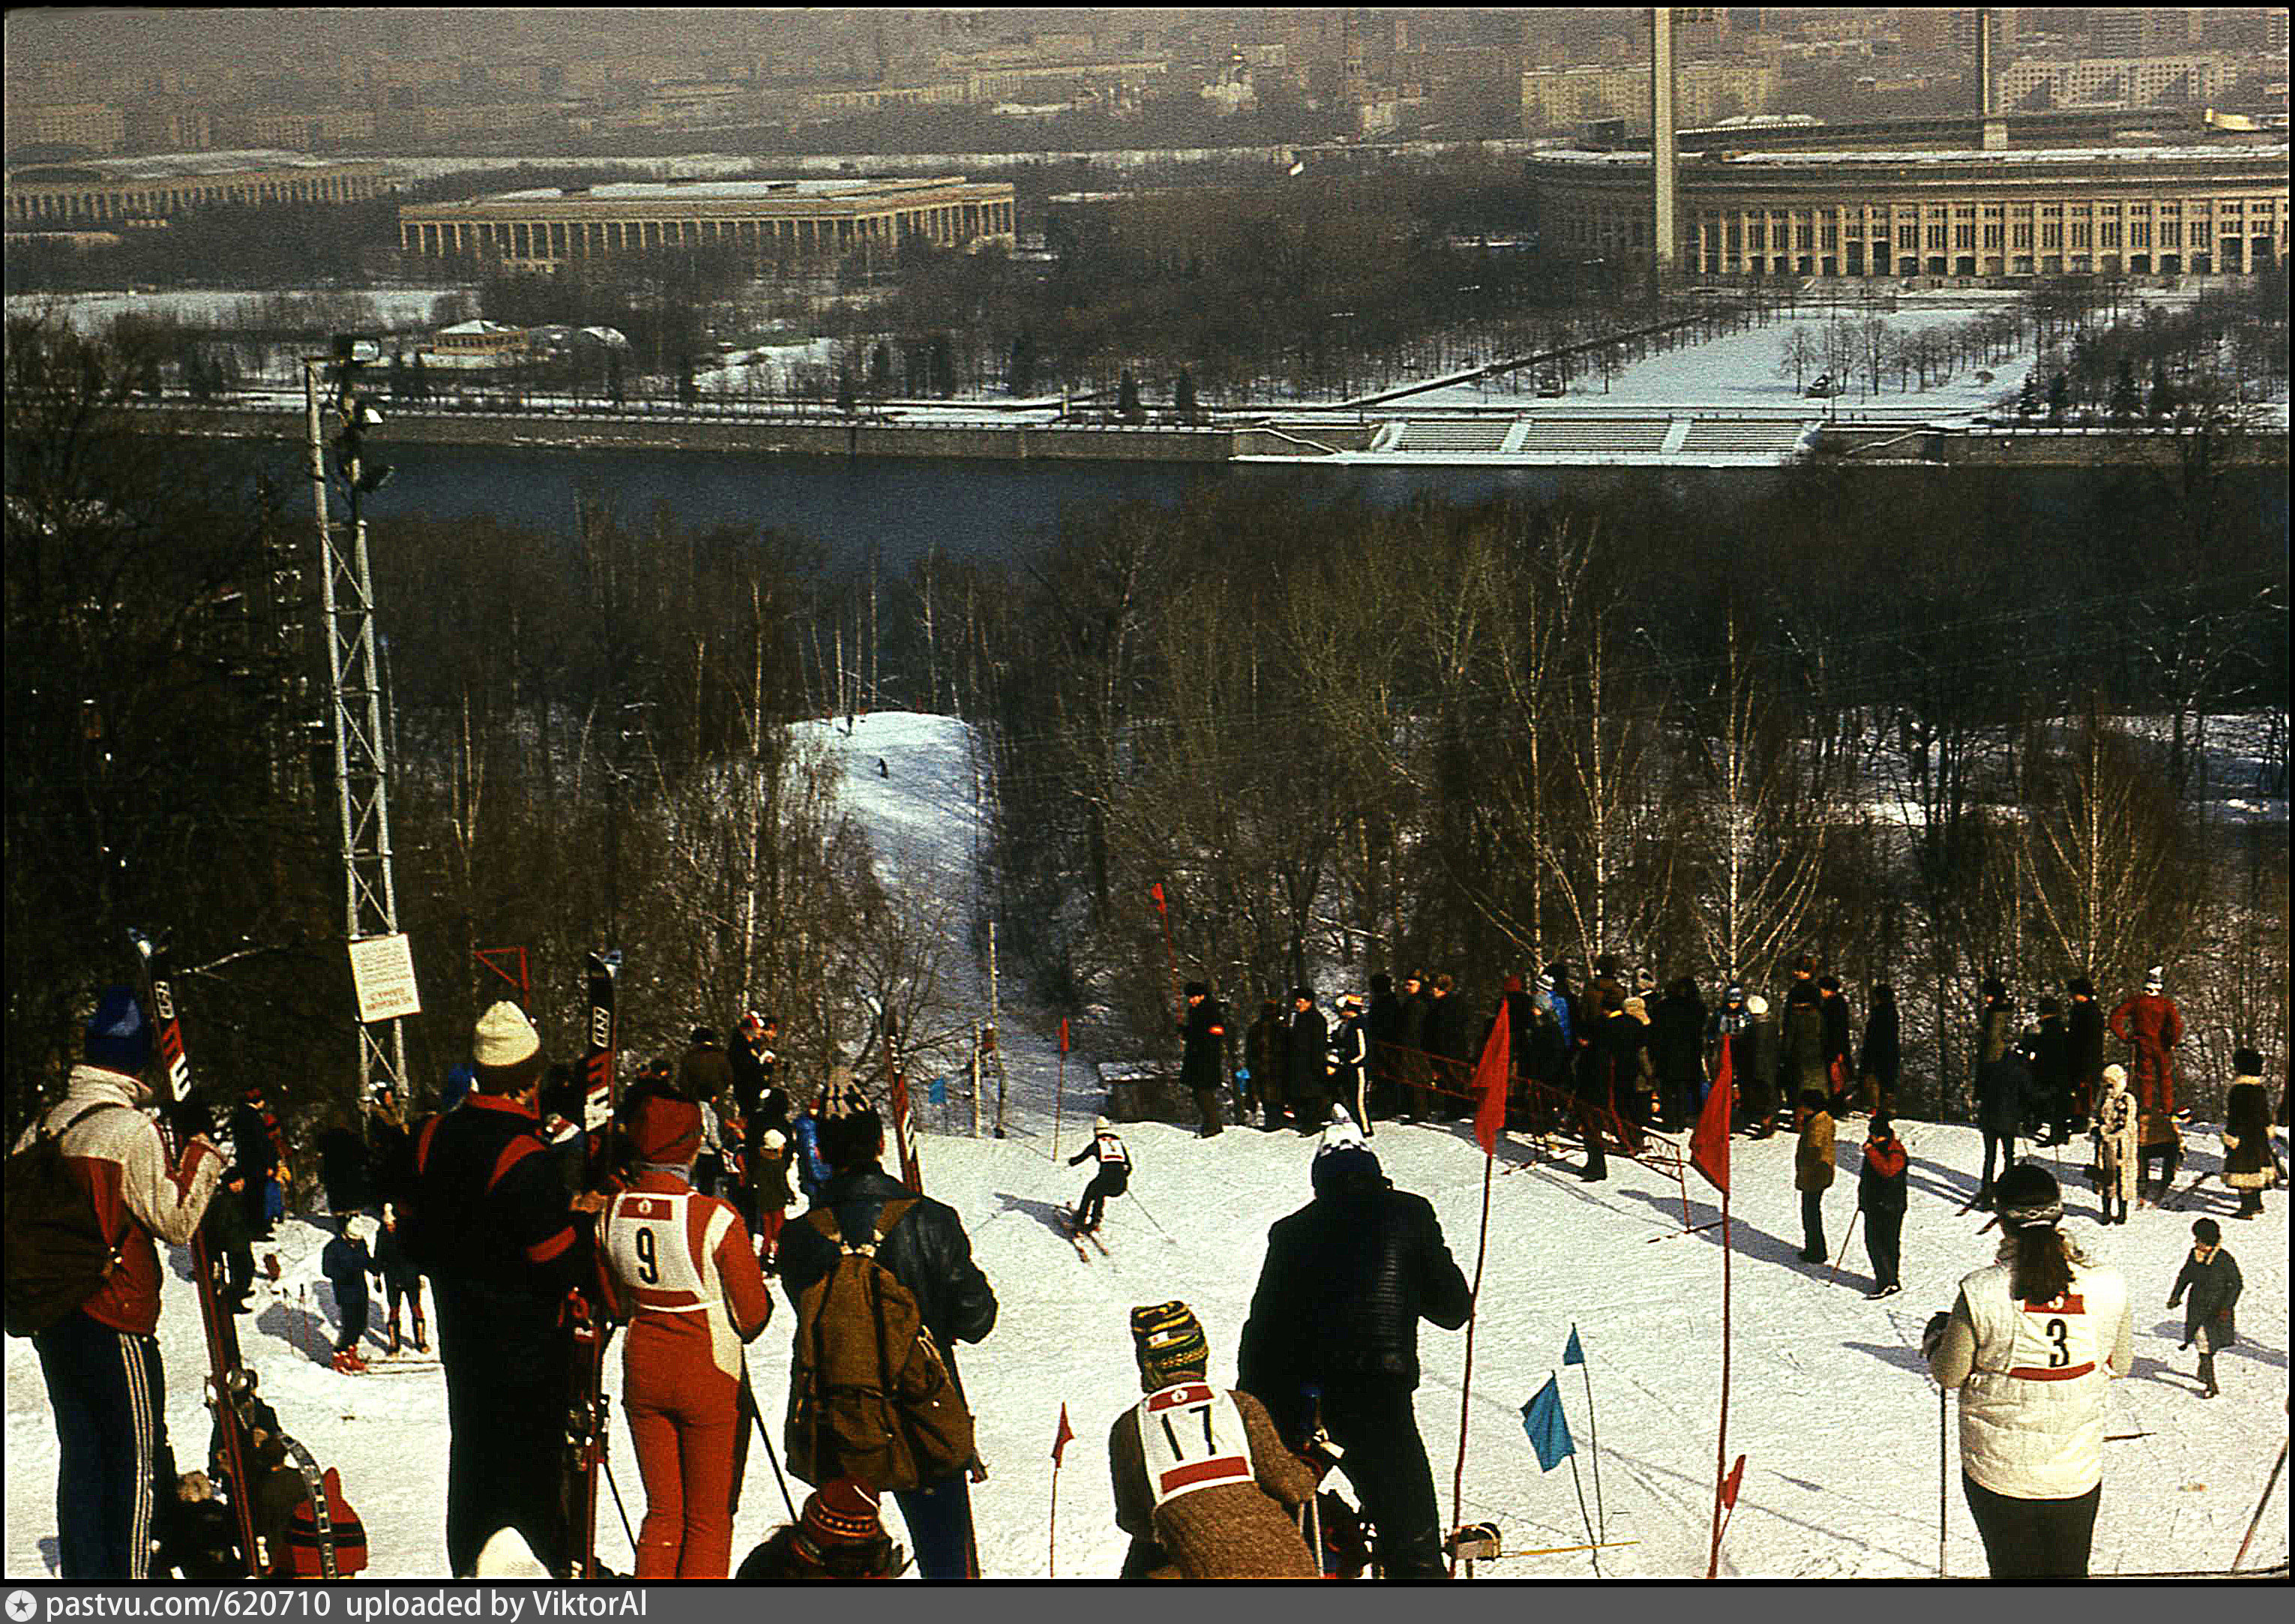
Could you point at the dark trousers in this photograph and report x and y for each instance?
(1310, 1112)
(2005, 1144)
(1882, 1232)
(1272, 1101)
(1371, 1418)
(351, 1299)
(2168, 1156)
(1208, 1118)
(2034, 1538)
(404, 1288)
(110, 1396)
(1590, 1129)
(1812, 1222)
(939, 1516)
(237, 1262)
(506, 1454)
(1107, 1182)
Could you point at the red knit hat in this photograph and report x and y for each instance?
(666, 1132)
(842, 1511)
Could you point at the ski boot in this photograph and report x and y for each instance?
(393, 1338)
(421, 1337)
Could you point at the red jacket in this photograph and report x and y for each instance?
(138, 1191)
(2151, 1025)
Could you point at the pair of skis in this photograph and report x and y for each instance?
(586, 1430)
(230, 1382)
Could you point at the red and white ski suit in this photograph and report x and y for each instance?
(685, 1266)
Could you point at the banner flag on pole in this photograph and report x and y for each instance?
(1729, 1487)
(1709, 1144)
(1490, 1082)
(1064, 1035)
(1549, 1433)
(1155, 891)
(1573, 1353)
(1060, 1441)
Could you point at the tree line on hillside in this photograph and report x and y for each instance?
(1928, 726)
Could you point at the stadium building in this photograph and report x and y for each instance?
(155, 189)
(538, 230)
(2109, 211)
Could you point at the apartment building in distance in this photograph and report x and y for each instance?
(2199, 77)
(1704, 92)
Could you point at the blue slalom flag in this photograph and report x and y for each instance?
(1573, 1354)
(936, 1092)
(1549, 1433)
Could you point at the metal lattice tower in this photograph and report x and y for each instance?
(354, 696)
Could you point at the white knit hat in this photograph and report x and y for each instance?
(1755, 1004)
(1342, 1134)
(2155, 978)
(504, 1037)
(1100, 1124)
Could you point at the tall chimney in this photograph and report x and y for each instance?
(1995, 127)
(1661, 142)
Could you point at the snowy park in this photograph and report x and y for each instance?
(1831, 1405)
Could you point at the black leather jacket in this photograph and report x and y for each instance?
(928, 1251)
(1347, 1279)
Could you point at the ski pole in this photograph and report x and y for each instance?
(607, 1467)
(2276, 1467)
(1843, 1252)
(1940, 1477)
(749, 1394)
(1315, 1495)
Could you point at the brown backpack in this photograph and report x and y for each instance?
(870, 1396)
(58, 1255)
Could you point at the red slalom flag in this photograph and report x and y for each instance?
(1156, 892)
(1067, 1432)
(1729, 1485)
(1709, 1144)
(1490, 1079)
(1064, 1035)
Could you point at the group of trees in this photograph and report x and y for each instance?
(2224, 348)
(1927, 731)
(593, 740)
(1929, 739)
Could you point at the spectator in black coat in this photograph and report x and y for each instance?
(502, 1241)
(928, 1251)
(2003, 1089)
(390, 1149)
(1346, 1281)
(343, 1168)
(2084, 1030)
(255, 1154)
(1835, 1007)
(1881, 1060)
(1414, 1038)
(1203, 1057)
(1267, 1057)
(1306, 1053)
(2050, 1046)
(1677, 1050)
(1451, 1033)
(1383, 1029)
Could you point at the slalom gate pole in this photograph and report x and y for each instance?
(1594, 1436)
(1059, 1091)
(1834, 1273)
(749, 1395)
(1052, 1553)
(1170, 958)
(1467, 1381)
(2277, 1466)
(1721, 1440)
(1594, 1540)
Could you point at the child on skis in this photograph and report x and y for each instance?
(1113, 1176)
(346, 1263)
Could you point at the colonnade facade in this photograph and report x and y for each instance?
(33, 202)
(2209, 215)
(541, 234)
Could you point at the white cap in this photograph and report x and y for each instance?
(1342, 1134)
(1755, 1004)
(2116, 1075)
(1100, 1124)
(2155, 978)
(504, 1037)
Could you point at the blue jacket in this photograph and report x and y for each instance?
(811, 1171)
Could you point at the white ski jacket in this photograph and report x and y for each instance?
(2032, 1378)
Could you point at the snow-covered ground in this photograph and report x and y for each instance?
(390, 308)
(1741, 370)
(1831, 1407)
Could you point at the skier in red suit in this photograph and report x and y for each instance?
(2151, 1026)
(687, 1273)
